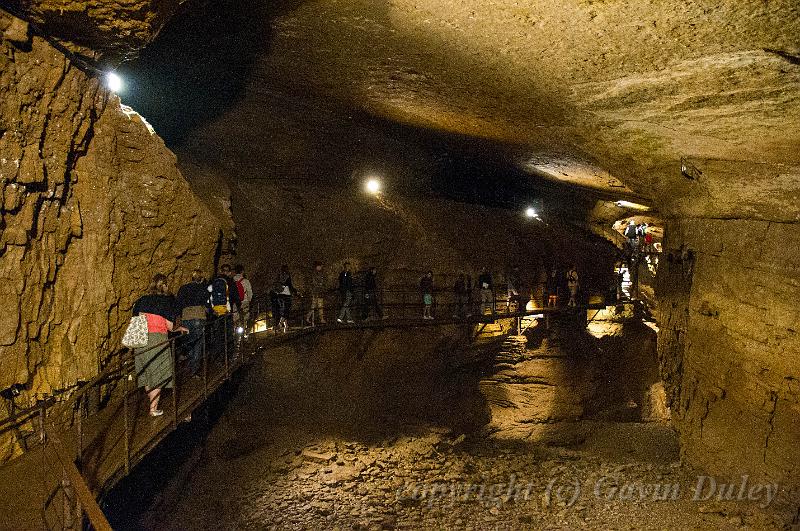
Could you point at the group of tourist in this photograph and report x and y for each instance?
(208, 313)
(199, 307)
(462, 291)
(639, 237)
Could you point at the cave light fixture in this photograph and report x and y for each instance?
(373, 185)
(633, 206)
(114, 82)
(532, 213)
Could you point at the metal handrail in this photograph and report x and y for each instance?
(57, 418)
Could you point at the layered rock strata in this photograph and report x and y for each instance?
(728, 346)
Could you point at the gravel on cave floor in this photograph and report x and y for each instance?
(433, 479)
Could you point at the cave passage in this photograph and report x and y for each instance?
(431, 264)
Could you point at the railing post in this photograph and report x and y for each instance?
(42, 419)
(174, 384)
(225, 336)
(68, 515)
(79, 432)
(126, 413)
(205, 362)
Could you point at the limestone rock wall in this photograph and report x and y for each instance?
(92, 206)
(728, 344)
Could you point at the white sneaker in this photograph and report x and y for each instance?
(339, 321)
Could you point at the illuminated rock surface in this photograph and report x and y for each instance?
(93, 206)
(692, 108)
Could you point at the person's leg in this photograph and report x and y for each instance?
(309, 317)
(366, 309)
(321, 310)
(346, 314)
(195, 343)
(153, 396)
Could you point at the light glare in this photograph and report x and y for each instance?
(530, 212)
(113, 82)
(633, 206)
(373, 186)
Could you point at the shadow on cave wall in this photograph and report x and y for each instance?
(200, 63)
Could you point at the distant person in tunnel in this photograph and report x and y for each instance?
(572, 286)
(553, 286)
(371, 295)
(486, 292)
(426, 288)
(346, 293)
(192, 301)
(512, 287)
(153, 362)
(317, 282)
(285, 291)
(245, 291)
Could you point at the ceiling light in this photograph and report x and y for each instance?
(113, 82)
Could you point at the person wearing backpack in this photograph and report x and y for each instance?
(245, 291)
(224, 302)
(192, 301)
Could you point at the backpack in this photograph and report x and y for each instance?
(630, 231)
(240, 288)
(219, 292)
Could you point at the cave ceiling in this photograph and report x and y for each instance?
(614, 96)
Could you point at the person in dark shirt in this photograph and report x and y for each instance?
(153, 362)
(285, 290)
(346, 292)
(371, 295)
(193, 302)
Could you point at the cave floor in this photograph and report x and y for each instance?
(429, 478)
(311, 445)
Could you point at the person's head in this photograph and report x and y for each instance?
(239, 269)
(429, 274)
(461, 275)
(373, 270)
(225, 270)
(197, 275)
(284, 268)
(318, 265)
(347, 266)
(158, 286)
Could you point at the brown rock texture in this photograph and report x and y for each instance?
(545, 386)
(92, 206)
(608, 95)
(117, 26)
(403, 236)
(728, 293)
